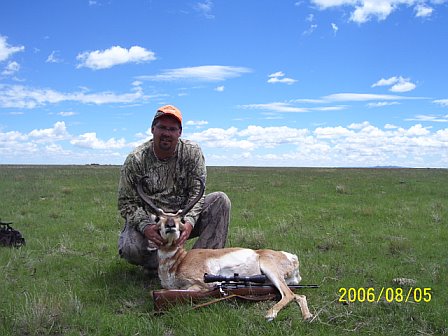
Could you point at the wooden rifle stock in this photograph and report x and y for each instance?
(165, 298)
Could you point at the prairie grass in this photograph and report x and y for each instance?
(355, 228)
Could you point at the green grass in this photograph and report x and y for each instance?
(349, 227)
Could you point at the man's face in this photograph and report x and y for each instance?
(166, 132)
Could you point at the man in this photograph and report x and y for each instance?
(173, 166)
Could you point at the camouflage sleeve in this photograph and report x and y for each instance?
(198, 171)
(129, 203)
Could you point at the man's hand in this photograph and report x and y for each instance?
(152, 233)
(184, 234)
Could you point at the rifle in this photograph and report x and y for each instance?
(249, 288)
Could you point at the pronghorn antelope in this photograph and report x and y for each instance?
(179, 269)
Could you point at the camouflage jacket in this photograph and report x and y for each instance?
(171, 183)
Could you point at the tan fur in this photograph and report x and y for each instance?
(179, 269)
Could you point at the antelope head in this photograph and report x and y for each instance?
(170, 224)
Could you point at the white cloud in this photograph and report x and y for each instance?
(386, 82)
(310, 30)
(359, 125)
(113, 56)
(275, 107)
(366, 10)
(390, 126)
(48, 146)
(276, 74)
(332, 132)
(6, 50)
(221, 138)
(403, 86)
(56, 133)
(197, 123)
(382, 104)
(279, 77)
(398, 84)
(209, 73)
(422, 10)
(205, 8)
(271, 137)
(67, 114)
(11, 68)
(442, 102)
(334, 27)
(90, 140)
(219, 88)
(18, 96)
(417, 130)
(357, 145)
(361, 97)
(429, 118)
(53, 58)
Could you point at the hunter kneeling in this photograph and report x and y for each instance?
(173, 167)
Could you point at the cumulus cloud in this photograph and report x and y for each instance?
(114, 56)
(56, 133)
(208, 73)
(49, 145)
(90, 140)
(11, 68)
(279, 77)
(6, 50)
(397, 84)
(366, 10)
(359, 144)
(422, 10)
(221, 138)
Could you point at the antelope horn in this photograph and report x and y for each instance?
(195, 200)
(159, 212)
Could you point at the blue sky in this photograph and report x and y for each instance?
(330, 83)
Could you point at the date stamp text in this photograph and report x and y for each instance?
(389, 294)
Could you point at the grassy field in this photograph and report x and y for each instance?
(351, 228)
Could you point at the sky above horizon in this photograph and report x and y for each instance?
(320, 83)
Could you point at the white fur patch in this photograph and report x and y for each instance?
(294, 278)
(243, 261)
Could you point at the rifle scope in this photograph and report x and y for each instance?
(260, 278)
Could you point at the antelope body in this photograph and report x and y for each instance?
(181, 269)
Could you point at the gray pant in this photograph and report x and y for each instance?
(211, 228)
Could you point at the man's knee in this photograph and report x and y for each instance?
(133, 247)
(219, 199)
